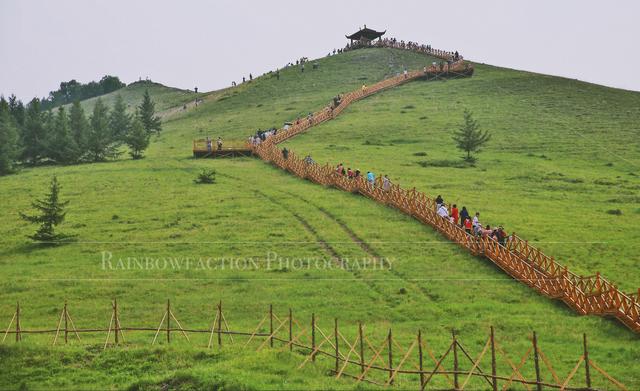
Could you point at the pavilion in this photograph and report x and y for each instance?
(365, 35)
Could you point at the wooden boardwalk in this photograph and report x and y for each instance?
(203, 149)
(587, 295)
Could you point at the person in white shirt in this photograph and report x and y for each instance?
(476, 220)
(442, 211)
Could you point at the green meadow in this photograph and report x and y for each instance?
(561, 170)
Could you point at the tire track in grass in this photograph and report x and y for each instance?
(366, 247)
(330, 250)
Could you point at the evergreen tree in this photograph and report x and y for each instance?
(33, 133)
(79, 127)
(8, 139)
(50, 213)
(469, 138)
(17, 110)
(100, 143)
(137, 139)
(60, 146)
(147, 113)
(119, 120)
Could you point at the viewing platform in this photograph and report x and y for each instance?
(203, 148)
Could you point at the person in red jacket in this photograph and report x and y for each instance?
(467, 225)
(454, 214)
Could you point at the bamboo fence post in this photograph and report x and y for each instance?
(361, 337)
(168, 321)
(390, 340)
(455, 360)
(219, 325)
(66, 321)
(335, 331)
(536, 361)
(290, 330)
(421, 365)
(18, 335)
(587, 372)
(494, 379)
(313, 336)
(271, 325)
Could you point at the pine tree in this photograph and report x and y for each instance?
(100, 143)
(51, 213)
(33, 133)
(17, 110)
(79, 127)
(147, 113)
(8, 139)
(469, 137)
(60, 146)
(119, 120)
(137, 139)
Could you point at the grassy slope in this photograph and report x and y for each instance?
(151, 208)
(165, 97)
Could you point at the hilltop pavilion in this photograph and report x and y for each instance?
(365, 35)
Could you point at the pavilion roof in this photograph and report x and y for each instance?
(366, 33)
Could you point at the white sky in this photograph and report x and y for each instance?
(210, 43)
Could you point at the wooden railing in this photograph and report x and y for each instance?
(353, 350)
(586, 295)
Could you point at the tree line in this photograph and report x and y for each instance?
(30, 135)
(72, 90)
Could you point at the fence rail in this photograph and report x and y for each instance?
(590, 295)
(352, 350)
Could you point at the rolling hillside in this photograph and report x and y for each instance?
(563, 154)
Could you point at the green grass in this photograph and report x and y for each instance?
(164, 97)
(562, 152)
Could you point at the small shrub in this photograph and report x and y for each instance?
(206, 177)
(615, 212)
(407, 107)
(420, 154)
(115, 217)
(402, 291)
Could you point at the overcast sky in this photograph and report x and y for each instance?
(210, 43)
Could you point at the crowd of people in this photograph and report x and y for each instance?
(261, 135)
(408, 45)
(471, 225)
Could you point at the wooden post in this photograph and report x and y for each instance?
(494, 379)
(454, 344)
(18, 335)
(290, 330)
(587, 364)
(66, 318)
(313, 336)
(168, 321)
(219, 323)
(361, 338)
(390, 340)
(271, 325)
(420, 359)
(115, 316)
(335, 332)
(536, 361)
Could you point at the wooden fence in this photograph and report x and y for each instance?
(585, 294)
(353, 351)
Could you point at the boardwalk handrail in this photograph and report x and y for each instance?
(591, 295)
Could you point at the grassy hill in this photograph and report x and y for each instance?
(165, 97)
(563, 153)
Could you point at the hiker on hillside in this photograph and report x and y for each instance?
(356, 174)
(250, 77)
(209, 146)
(476, 220)
(349, 173)
(464, 214)
(442, 211)
(439, 201)
(243, 79)
(454, 214)
(219, 143)
(386, 183)
(467, 225)
(371, 178)
(285, 153)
